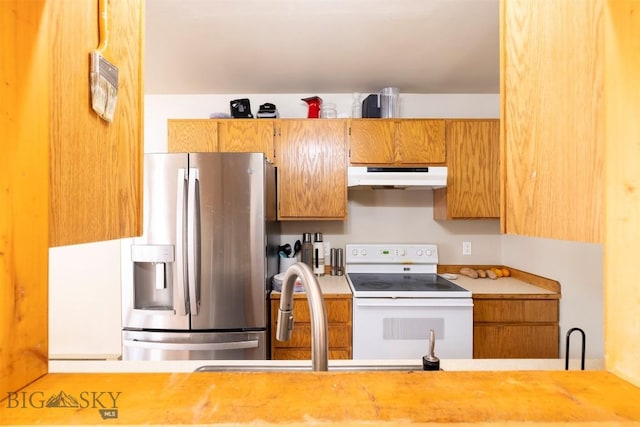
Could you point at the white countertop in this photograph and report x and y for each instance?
(111, 366)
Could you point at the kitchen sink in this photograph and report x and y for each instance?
(273, 366)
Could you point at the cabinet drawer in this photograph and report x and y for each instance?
(339, 336)
(338, 310)
(515, 341)
(515, 311)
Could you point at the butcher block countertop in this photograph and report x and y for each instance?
(326, 398)
(519, 284)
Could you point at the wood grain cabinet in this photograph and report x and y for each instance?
(95, 166)
(299, 346)
(396, 142)
(228, 135)
(515, 328)
(473, 180)
(553, 119)
(247, 136)
(192, 135)
(311, 156)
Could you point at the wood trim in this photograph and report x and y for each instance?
(533, 279)
(24, 198)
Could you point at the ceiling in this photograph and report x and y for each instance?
(321, 46)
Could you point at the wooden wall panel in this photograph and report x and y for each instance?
(24, 165)
(96, 167)
(622, 226)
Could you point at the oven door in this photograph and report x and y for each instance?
(398, 328)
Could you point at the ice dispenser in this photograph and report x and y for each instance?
(152, 276)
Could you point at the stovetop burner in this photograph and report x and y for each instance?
(398, 271)
(364, 282)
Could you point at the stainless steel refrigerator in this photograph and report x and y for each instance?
(200, 274)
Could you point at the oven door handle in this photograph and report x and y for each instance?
(413, 302)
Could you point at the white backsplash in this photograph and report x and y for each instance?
(404, 216)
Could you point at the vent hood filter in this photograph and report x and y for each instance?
(362, 177)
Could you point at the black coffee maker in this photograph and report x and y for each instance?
(241, 109)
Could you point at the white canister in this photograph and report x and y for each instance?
(318, 255)
(285, 263)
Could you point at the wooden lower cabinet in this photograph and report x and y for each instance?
(299, 346)
(516, 329)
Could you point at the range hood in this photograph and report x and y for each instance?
(363, 177)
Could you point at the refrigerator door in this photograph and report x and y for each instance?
(143, 345)
(227, 241)
(154, 291)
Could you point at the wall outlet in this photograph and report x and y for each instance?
(466, 248)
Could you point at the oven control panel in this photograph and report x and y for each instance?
(391, 253)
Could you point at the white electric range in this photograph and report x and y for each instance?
(398, 297)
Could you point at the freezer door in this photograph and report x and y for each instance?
(227, 247)
(139, 345)
(154, 291)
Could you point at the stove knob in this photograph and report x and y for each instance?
(402, 252)
(354, 252)
(363, 252)
(429, 252)
(419, 252)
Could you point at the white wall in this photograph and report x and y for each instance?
(84, 300)
(578, 268)
(374, 216)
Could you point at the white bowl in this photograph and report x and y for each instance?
(277, 283)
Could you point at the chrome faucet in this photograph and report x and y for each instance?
(317, 309)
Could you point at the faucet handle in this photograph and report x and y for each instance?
(285, 325)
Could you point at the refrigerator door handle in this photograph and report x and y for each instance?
(234, 345)
(179, 287)
(193, 241)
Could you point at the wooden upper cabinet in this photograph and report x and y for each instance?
(372, 141)
(312, 169)
(420, 141)
(226, 135)
(192, 135)
(552, 113)
(473, 175)
(96, 166)
(247, 135)
(396, 142)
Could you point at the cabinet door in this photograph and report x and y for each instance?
(96, 180)
(515, 341)
(299, 346)
(247, 136)
(312, 169)
(473, 161)
(371, 141)
(420, 141)
(553, 118)
(192, 135)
